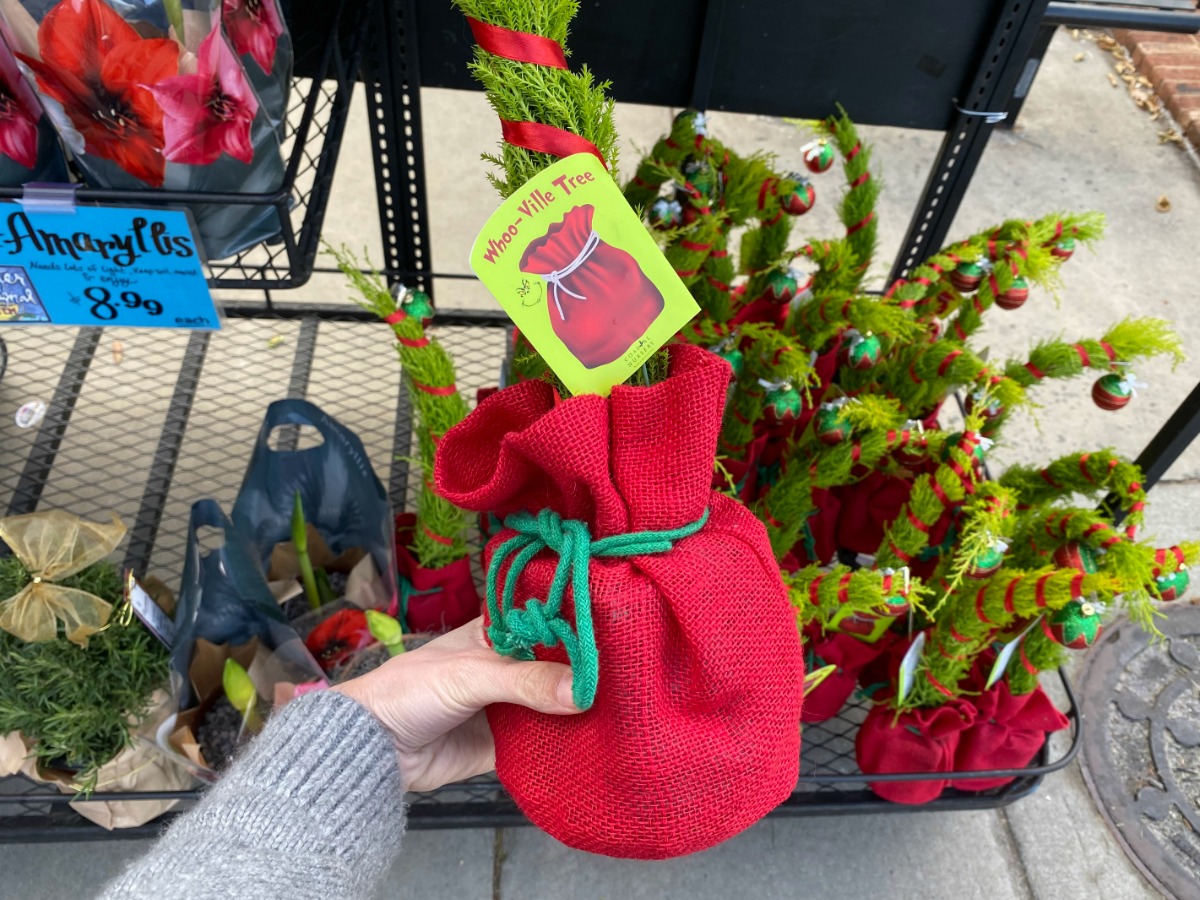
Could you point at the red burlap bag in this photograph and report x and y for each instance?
(1009, 731)
(920, 740)
(433, 600)
(599, 299)
(693, 731)
(850, 655)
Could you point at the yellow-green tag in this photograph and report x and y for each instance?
(576, 270)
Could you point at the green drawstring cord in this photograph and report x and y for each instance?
(408, 590)
(515, 632)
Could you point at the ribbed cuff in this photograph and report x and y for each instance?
(326, 754)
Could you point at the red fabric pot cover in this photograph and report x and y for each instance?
(822, 527)
(1008, 732)
(598, 298)
(452, 599)
(922, 740)
(846, 652)
(694, 734)
(866, 509)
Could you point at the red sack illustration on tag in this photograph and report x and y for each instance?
(918, 740)
(432, 600)
(599, 299)
(1009, 731)
(691, 736)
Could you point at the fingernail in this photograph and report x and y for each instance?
(564, 695)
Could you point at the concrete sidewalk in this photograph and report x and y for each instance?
(1080, 144)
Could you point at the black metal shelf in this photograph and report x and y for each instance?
(830, 784)
(316, 121)
(171, 423)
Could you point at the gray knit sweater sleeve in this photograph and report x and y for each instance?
(314, 809)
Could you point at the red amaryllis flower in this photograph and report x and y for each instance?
(18, 127)
(339, 637)
(99, 69)
(211, 112)
(254, 26)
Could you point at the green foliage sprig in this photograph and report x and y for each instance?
(79, 707)
(522, 92)
(423, 361)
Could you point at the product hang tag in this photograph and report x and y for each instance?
(148, 612)
(1004, 657)
(576, 270)
(908, 666)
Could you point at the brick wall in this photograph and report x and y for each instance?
(1172, 63)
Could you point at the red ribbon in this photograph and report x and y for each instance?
(947, 361)
(547, 139)
(1035, 371)
(395, 317)
(518, 45)
(860, 180)
(860, 225)
(435, 391)
(1009, 594)
(1084, 359)
(694, 247)
(444, 541)
(979, 613)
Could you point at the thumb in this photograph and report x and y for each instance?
(542, 686)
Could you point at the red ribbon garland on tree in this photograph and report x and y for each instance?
(536, 50)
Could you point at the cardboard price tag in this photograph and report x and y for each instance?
(576, 270)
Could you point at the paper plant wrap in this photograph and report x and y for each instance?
(53, 545)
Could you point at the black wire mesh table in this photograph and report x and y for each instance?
(145, 423)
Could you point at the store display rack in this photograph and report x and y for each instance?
(146, 423)
(169, 423)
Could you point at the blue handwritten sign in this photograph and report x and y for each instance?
(102, 265)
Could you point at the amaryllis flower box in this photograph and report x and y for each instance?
(166, 94)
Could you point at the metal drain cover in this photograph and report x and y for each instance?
(1141, 753)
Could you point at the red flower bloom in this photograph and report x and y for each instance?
(339, 637)
(254, 26)
(18, 127)
(210, 112)
(99, 68)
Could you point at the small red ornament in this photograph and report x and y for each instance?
(1077, 625)
(800, 200)
(967, 277)
(989, 562)
(1076, 556)
(1112, 392)
(830, 425)
(1015, 296)
(818, 156)
(1064, 249)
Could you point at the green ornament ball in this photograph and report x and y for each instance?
(988, 563)
(781, 285)
(862, 352)
(1015, 296)
(1063, 249)
(419, 305)
(1076, 625)
(734, 357)
(1076, 556)
(1173, 585)
(800, 200)
(967, 277)
(818, 156)
(830, 425)
(1111, 392)
(783, 404)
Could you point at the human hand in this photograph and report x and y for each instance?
(431, 701)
